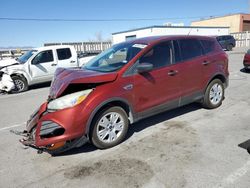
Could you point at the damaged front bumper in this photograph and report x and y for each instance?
(30, 133)
(28, 140)
(53, 132)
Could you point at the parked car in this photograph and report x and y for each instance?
(246, 61)
(227, 42)
(124, 84)
(39, 65)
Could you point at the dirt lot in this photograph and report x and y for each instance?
(186, 147)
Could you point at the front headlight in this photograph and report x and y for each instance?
(68, 100)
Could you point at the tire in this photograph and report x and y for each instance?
(246, 69)
(229, 47)
(214, 94)
(109, 127)
(21, 84)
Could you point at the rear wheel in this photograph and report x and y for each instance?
(214, 94)
(20, 84)
(229, 47)
(109, 127)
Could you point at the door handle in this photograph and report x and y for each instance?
(172, 72)
(53, 64)
(72, 61)
(206, 62)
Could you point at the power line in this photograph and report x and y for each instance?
(98, 20)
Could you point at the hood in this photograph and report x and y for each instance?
(12, 68)
(64, 77)
(7, 62)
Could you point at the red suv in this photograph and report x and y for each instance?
(246, 61)
(128, 82)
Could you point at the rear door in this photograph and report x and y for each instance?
(158, 89)
(192, 60)
(66, 58)
(215, 59)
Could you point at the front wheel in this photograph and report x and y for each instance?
(109, 127)
(214, 94)
(20, 84)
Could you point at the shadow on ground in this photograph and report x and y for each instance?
(39, 86)
(245, 145)
(245, 70)
(141, 125)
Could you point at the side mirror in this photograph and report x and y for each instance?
(144, 67)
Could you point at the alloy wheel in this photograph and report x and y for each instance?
(110, 127)
(19, 85)
(215, 94)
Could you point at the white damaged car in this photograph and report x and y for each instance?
(39, 65)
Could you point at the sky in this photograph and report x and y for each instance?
(36, 33)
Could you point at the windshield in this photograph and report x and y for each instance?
(114, 58)
(22, 59)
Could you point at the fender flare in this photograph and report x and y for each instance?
(22, 74)
(218, 75)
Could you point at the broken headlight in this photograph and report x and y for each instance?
(69, 100)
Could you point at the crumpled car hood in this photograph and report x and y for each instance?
(64, 77)
(7, 62)
(12, 68)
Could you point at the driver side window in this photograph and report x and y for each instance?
(43, 57)
(160, 55)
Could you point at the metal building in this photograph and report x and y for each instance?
(168, 30)
(236, 22)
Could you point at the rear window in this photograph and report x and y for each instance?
(224, 37)
(63, 53)
(190, 48)
(229, 37)
(208, 46)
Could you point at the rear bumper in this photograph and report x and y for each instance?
(45, 128)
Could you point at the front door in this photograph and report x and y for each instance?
(43, 66)
(157, 89)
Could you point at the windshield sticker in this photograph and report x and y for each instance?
(140, 46)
